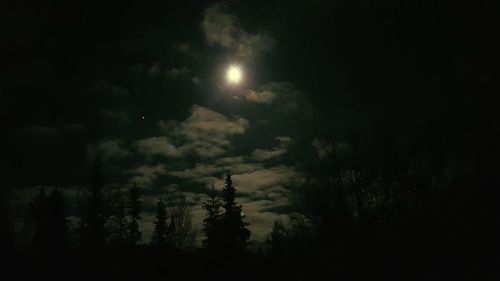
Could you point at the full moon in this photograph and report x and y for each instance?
(234, 75)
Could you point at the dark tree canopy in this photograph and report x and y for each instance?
(212, 225)
(92, 222)
(235, 233)
(134, 233)
(161, 229)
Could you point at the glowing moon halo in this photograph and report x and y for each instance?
(234, 75)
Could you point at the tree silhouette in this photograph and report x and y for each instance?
(134, 235)
(48, 217)
(160, 233)
(119, 235)
(182, 235)
(277, 238)
(235, 231)
(93, 220)
(56, 221)
(212, 223)
(37, 211)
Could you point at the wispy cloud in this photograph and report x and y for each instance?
(222, 28)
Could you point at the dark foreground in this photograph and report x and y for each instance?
(145, 264)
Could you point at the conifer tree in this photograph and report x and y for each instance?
(134, 213)
(56, 221)
(160, 232)
(37, 209)
(212, 223)
(93, 221)
(120, 225)
(276, 239)
(236, 233)
(48, 216)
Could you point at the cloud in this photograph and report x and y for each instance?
(40, 132)
(283, 94)
(265, 154)
(108, 149)
(325, 149)
(109, 94)
(157, 146)
(278, 101)
(251, 46)
(284, 140)
(178, 72)
(222, 28)
(205, 172)
(145, 175)
(199, 171)
(261, 221)
(75, 128)
(181, 73)
(205, 122)
(265, 97)
(219, 26)
(261, 179)
(267, 178)
(114, 117)
(229, 160)
(205, 133)
(183, 48)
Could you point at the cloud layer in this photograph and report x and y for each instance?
(222, 28)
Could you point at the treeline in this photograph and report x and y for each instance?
(347, 220)
(407, 221)
(111, 219)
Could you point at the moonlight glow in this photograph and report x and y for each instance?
(234, 74)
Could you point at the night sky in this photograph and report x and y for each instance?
(142, 85)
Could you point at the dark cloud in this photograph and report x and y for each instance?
(222, 28)
(39, 132)
(108, 149)
(146, 175)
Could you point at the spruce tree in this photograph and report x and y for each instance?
(236, 233)
(120, 225)
(134, 212)
(212, 223)
(56, 221)
(277, 238)
(37, 217)
(48, 216)
(92, 223)
(160, 232)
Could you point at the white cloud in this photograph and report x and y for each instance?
(261, 221)
(265, 154)
(260, 179)
(205, 133)
(204, 172)
(265, 97)
(157, 146)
